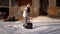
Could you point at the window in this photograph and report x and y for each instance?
(14, 2)
(4, 2)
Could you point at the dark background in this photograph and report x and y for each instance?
(5, 10)
(58, 3)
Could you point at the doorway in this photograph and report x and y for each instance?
(43, 7)
(4, 12)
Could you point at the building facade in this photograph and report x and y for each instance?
(37, 7)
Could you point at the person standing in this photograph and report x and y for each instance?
(26, 13)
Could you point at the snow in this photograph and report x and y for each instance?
(38, 28)
(45, 19)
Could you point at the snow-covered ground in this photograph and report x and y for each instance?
(38, 28)
(45, 19)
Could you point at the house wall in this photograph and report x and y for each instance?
(35, 8)
(52, 9)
